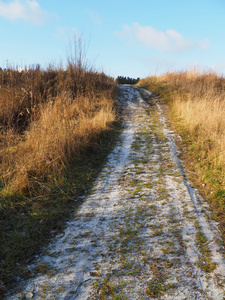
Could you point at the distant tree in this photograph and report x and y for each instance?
(126, 80)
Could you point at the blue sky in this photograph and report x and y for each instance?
(131, 38)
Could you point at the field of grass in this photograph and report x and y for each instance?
(56, 128)
(197, 105)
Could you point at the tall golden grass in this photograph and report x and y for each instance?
(47, 119)
(197, 102)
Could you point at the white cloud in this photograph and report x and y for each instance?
(27, 10)
(170, 40)
(95, 18)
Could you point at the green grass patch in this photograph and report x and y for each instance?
(204, 262)
(158, 286)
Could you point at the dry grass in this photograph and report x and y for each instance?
(204, 118)
(197, 103)
(63, 130)
(56, 128)
(45, 126)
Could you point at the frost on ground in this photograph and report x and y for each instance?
(143, 232)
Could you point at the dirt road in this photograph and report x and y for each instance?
(143, 232)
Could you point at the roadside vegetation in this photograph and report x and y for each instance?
(197, 105)
(56, 128)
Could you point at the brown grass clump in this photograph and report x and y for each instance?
(197, 102)
(48, 118)
(64, 129)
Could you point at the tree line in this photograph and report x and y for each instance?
(126, 80)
